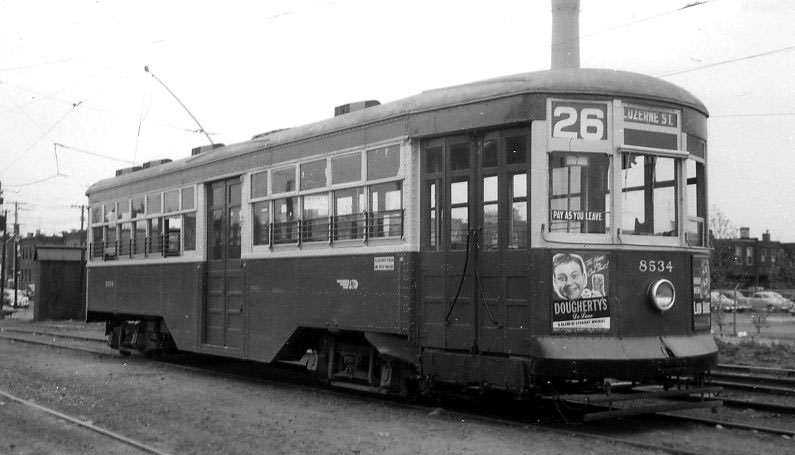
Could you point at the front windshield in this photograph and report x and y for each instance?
(649, 204)
(579, 192)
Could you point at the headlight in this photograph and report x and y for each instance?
(662, 294)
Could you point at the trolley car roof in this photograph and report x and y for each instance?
(568, 82)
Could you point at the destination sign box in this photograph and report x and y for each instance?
(650, 116)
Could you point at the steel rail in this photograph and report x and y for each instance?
(89, 426)
(53, 334)
(487, 419)
(729, 424)
(773, 371)
(567, 431)
(758, 405)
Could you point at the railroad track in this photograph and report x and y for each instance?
(777, 381)
(96, 345)
(140, 446)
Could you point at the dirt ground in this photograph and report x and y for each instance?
(184, 412)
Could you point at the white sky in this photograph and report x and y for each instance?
(72, 73)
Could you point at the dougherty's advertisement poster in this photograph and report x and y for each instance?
(579, 295)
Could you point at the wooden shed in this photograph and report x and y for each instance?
(59, 274)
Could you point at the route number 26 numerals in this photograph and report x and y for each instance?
(655, 266)
(579, 121)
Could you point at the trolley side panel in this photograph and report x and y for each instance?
(364, 293)
(170, 291)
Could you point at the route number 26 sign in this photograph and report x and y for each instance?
(579, 120)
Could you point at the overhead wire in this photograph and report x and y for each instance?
(53, 93)
(733, 60)
(99, 155)
(761, 114)
(644, 19)
(127, 49)
(95, 109)
(35, 182)
(42, 136)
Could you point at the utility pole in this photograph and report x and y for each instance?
(3, 270)
(3, 218)
(16, 251)
(83, 236)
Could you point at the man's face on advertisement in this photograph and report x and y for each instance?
(569, 280)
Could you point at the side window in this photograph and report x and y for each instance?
(189, 231)
(139, 237)
(125, 240)
(351, 196)
(97, 242)
(315, 218)
(187, 198)
(138, 207)
(349, 216)
(262, 219)
(111, 244)
(383, 162)
(386, 205)
(155, 227)
(153, 203)
(491, 212)
(283, 180)
(136, 228)
(96, 214)
(173, 231)
(259, 184)
(696, 203)
(171, 201)
(313, 175)
(285, 220)
(346, 169)
(517, 226)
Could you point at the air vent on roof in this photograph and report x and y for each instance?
(154, 163)
(351, 107)
(204, 148)
(127, 170)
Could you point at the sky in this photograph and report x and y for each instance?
(76, 103)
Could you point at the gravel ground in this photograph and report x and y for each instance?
(184, 412)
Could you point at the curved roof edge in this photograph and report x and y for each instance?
(581, 81)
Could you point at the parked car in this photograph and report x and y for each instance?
(724, 300)
(770, 301)
(22, 299)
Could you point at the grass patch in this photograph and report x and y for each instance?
(750, 352)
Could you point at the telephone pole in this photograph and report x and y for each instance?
(16, 250)
(3, 218)
(83, 236)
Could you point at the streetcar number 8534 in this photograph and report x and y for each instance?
(653, 266)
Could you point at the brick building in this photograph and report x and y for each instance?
(26, 249)
(751, 261)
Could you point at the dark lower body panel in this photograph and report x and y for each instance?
(576, 358)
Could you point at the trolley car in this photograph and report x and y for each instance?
(531, 231)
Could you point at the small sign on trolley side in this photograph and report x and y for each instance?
(384, 263)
